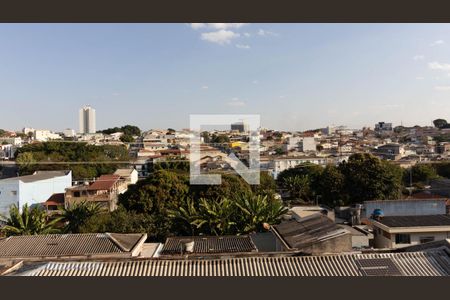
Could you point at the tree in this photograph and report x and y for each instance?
(126, 138)
(420, 173)
(31, 221)
(216, 217)
(369, 178)
(443, 169)
(230, 187)
(155, 194)
(440, 123)
(279, 151)
(255, 210)
(77, 215)
(122, 221)
(266, 187)
(220, 139)
(206, 137)
(329, 184)
(298, 186)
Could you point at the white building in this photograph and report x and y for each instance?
(401, 231)
(15, 141)
(32, 189)
(69, 132)
(278, 165)
(87, 120)
(308, 144)
(7, 151)
(45, 135)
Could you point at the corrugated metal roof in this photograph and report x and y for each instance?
(308, 230)
(408, 264)
(66, 244)
(413, 221)
(209, 244)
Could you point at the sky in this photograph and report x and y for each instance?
(295, 76)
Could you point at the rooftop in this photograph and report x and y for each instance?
(415, 221)
(60, 245)
(433, 263)
(209, 245)
(38, 175)
(298, 234)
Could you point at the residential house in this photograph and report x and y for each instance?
(104, 191)
(401, 231)
(32, 189)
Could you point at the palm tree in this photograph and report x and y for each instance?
(185, 215)
(216, 217)
(77, 214)
(30, 222)
(255, 210)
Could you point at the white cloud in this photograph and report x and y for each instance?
(220, 37)
(438, 66)
(240, 46)
(442, 88)
(436, 43)
(236, 102)
(198, 25)
(225, 25)
(246, 34)
(205, 87)
(115, 94)
(418, 57)
(420, 77)
(255, 81)
(263, 32)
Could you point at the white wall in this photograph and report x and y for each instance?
(30, 192)
(383, 242)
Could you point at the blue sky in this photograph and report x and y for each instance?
(296, 76)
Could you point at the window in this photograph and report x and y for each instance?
(13, 193)
(402, 238)
(426, 239)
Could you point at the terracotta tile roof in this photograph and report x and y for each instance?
(104, 182)
(55, 199)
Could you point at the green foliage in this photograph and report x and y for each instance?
(369, 178)
(93, 160)
(2, 132)
(230, 187)
(157, 192)
(126, 138)
(266, 187)
(420, 173)
(31, 221)
(441, 123)
(442, 169)
(206, 137)
(243, 214)
(175, 163)
(220, 139)
(298, 186)
(329, 184)
(127, 130)
(77, 215)
(121, 221)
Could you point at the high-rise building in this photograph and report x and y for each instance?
(87, 120)
(240, 126)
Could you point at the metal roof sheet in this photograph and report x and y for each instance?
(435, 263)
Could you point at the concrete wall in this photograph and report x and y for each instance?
(30, 193)
(382, 241)
(9, 195)
(406, 207)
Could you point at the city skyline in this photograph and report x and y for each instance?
(296, 76)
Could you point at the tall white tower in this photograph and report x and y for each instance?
(87, 119)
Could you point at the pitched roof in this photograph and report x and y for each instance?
(298, 234)
(60, 245)
(124, 172)
(104, 182)
(38, 175)
(209, 244)
(55, 199)
(415, 221)
(434, 263)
